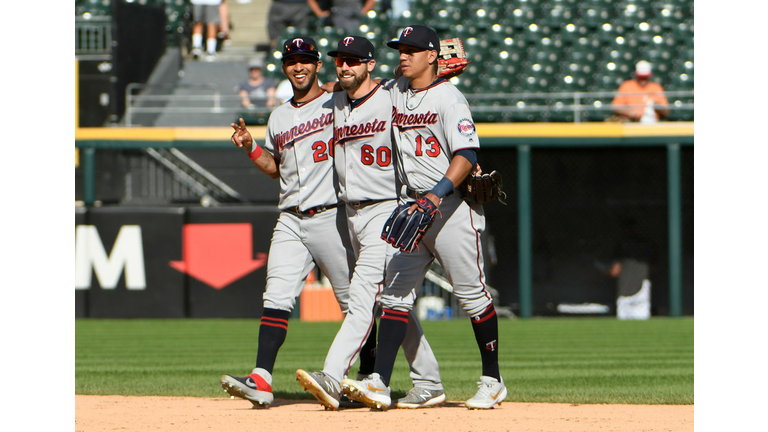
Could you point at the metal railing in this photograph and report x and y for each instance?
(93, 37)
(208, 99)
(576, 103)
(145, 99)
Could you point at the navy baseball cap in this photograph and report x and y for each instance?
(300, 45)
(356, 46)
(417, 36)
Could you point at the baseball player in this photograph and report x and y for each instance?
(365, 168)
(309, 230)
(436, 144)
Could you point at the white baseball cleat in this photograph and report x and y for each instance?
(489, 393)
(370, 391)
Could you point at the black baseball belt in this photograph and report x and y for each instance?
(364, 203)
(309, 212)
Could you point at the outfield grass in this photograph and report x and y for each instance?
(570, 360)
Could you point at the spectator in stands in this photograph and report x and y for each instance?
(205, 14)
(285, 13)
(257, 90)
(344, 14)
(640, 99)
(224, 26)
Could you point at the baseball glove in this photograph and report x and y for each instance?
(403, 231)
(484, 188)
(453, 58)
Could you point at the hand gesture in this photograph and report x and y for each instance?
(241, 137)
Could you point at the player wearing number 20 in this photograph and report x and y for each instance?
(436, 144)
(309, 230)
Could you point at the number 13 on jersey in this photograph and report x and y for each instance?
(431, 148)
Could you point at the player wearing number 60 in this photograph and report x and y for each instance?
(309, 231)
(366, 172)
(436, 144)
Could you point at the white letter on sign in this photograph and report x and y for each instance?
(91, 257)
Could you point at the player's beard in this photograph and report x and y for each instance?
(356, 81)
(308, 83)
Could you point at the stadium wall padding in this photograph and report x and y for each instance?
(194, 262)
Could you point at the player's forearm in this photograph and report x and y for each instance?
(458, 170)
(266, 163)
(368, 6)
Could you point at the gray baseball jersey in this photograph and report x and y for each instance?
(299, 136)
(429, 126)
(365, 168)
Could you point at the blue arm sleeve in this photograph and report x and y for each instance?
(468, 154)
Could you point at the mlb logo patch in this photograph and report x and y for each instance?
(466, 127)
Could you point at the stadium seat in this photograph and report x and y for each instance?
(608, 32)
(571, 32)
(557, 15)
(661, 58)
(574, 81)
(667, 15)
(594, 16)
(582, 54)
(97, 7)
(630, 13)
(484, 17)
(519, 16)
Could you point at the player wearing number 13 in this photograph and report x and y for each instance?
(436, 144)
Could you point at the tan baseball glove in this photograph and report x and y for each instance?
(453, 59)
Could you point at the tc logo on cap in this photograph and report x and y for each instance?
(298, 42)
(348, 41)
(407, 31)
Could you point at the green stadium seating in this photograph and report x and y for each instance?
(519, 46)
(557, 15)
(594, 16)
(96, 7)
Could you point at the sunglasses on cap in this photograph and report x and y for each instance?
(350, 61)
(298, 46)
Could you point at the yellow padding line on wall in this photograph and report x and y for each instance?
(484, 130)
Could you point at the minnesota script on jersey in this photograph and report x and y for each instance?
(300, 137)
(363, 141)
(429, 125)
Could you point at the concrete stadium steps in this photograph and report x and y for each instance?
(224, 74)
(249, 25)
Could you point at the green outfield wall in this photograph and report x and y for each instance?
(571, 188)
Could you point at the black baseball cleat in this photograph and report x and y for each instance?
(253, 388)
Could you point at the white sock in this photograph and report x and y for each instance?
(264, 374)
(211, 45)
(197, 41)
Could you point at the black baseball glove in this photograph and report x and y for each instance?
(402, 230)
(484, 188)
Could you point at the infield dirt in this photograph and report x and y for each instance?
(144, 413)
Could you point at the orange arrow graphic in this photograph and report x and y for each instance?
(218, 254)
